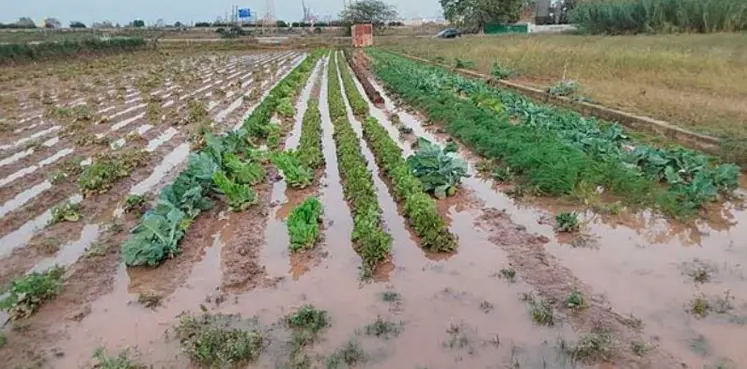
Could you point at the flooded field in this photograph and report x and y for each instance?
(627, 289)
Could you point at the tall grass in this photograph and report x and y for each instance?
(660, 16)
(19, 53)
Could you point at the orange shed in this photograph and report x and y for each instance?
(362, 35)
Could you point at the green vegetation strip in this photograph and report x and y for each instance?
(554, 151)
(227, 166)
(18, 53)
(419, 207)
(310, 146)
(660, 16)
(372, 243)
(28, 293)
(303, 225)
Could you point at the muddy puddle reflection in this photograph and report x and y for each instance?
(455, 314)
(644, 264)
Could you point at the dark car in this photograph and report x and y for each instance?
(448, 33)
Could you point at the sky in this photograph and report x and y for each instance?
(124, 11)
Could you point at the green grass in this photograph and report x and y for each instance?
(212, 341)
(575, 300)
(28, 293)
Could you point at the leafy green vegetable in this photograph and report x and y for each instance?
(295, 174)
(29, 292)
(240, 196)
(156, 237)
(310, 146)
(439, 170)
(555, 150)
(357, 102)
(65, 212)
(303, 224)
(372, 242)
(250, 172)
(285, 108)
(107, 169)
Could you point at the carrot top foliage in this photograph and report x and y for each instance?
(555, 151)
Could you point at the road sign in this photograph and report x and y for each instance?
(245, 13)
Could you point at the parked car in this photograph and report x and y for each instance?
(448, 33)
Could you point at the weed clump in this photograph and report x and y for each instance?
(121, 361)
(593, 347)
(65, 212)
(575, 300)
(541, 310)
(509, 274)
(391, 296)
(107, 169)
(28, 293)
(385, 329)
(350, 354)
(567, 222)
(210, 340)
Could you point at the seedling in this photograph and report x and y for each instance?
(486, 307)
(575, 300)
(541, 311)
(134, 204)
(567, 222)
(383, 328)
(57, 177)
(509, 274)
(700, 307)
(564, 88)
(391, 296)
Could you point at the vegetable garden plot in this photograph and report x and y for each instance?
(24, 233)
(621, 256)
(593, 153)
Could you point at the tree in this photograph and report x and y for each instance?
(25, 22)
(368, 11)
(52, 23)
(104, 24)
(76, 24)
(473, 15)
(178, 24)
(138, 23)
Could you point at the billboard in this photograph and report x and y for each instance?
(245, 13)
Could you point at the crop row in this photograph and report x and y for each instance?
(258, 126)
(226, 166)
(419, 208)
(372, 243)
(555, 151)
(310, 145)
